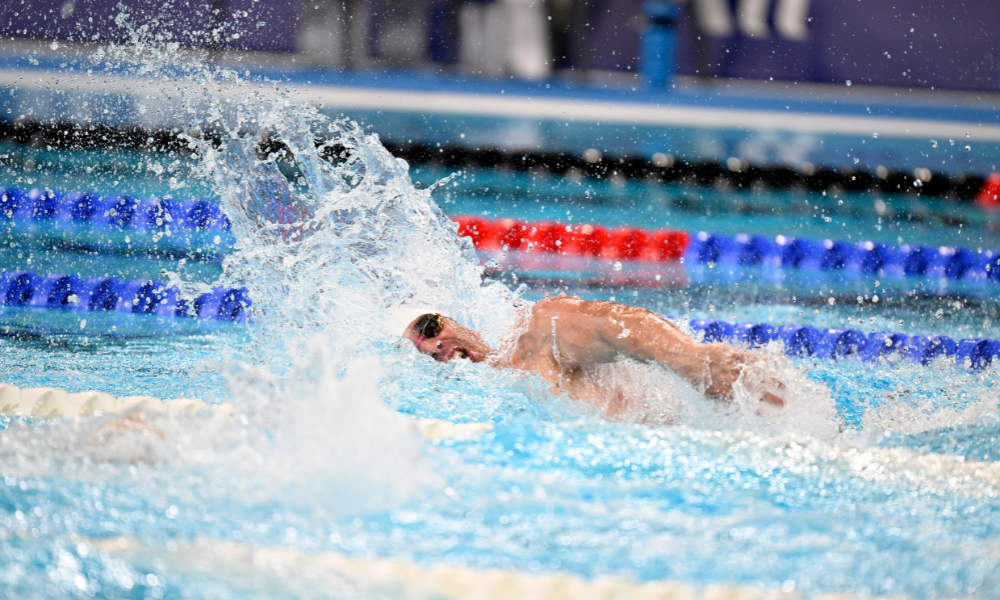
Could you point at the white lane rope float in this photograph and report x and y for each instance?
(54, 403)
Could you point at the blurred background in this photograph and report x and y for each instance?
(873, 121)
(903, 93)
(918, 45)
(765, 81)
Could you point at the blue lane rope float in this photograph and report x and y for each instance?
(115, 211)
(829, 255)
(140, 296)
(834, 343)
(145, 296)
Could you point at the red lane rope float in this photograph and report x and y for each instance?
(624, 243)
(989, 196)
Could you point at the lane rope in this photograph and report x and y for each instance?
(661, 167)
(139, 296)
(66, 211)
(837, 343)
(666, 246)
(70, 292)
(250, 568)
(57, 403)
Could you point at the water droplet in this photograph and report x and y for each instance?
(618, 266)
(875, 135)
(848, 83)
(934, 144)
(968, 147)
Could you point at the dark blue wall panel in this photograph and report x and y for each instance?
(951, 45)
(269, 25)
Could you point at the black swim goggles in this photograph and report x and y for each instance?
(428, 326)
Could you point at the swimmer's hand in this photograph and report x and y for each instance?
(725, 365)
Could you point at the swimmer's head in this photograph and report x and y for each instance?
(443, 338)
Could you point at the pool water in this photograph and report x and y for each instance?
(550, 488)
(877, 480)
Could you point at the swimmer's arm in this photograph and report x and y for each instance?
(646, 336)
(594, 332)
(713, 368)
(600, 332)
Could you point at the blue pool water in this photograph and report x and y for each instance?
(879, 479)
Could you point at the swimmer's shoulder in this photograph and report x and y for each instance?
(570, 311)
(573, 305)
(551, 305)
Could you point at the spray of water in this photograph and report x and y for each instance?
(332, 237)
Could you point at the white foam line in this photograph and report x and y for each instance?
(52, 403)
(635, 113)
(578, 110)
(287, 571)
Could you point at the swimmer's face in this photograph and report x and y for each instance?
(443, 339)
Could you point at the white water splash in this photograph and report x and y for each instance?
(321, 437)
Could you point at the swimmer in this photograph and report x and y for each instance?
(564, 338)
